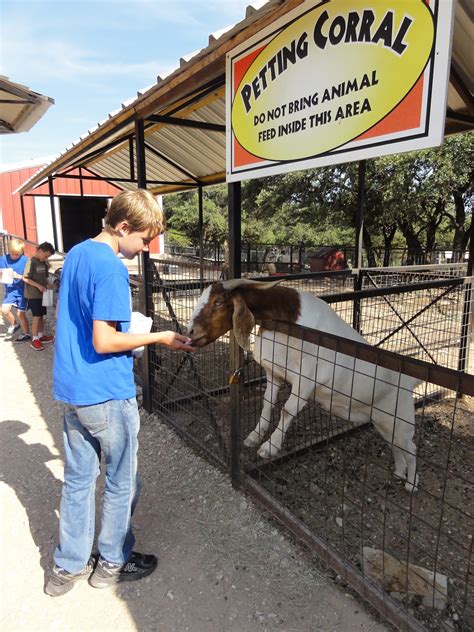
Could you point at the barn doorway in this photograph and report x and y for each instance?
(81, 218)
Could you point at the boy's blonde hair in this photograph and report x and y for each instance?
(139, 209)
(16, 247)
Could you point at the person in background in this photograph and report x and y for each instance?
(14, 292)
(93, 376)
(35, 277)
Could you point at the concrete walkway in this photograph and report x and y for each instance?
(224, 566)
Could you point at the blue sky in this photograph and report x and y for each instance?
(91, 55)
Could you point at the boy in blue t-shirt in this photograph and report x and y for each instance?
(93, 376)
(15, 291)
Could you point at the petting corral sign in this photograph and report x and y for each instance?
(336, 81)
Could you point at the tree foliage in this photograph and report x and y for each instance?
(418, 200)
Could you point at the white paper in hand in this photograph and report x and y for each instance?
(48, 298)
(6, 275)
(140, 324)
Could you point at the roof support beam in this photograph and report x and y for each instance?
(171, 120)
(107, 179)
(18, 101)
(170, 162)
(131, 155)
(6, 126)
(98, 152)
(460, 118)
(461, 89)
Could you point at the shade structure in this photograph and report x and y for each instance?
(20, 107)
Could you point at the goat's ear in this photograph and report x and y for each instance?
(242, 322)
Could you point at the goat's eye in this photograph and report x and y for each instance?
(219, 303)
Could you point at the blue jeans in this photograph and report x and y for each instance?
(112, 428)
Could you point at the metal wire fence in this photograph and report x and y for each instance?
(332, 481)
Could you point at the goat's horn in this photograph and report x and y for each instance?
(257, 285)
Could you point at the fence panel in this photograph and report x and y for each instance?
(334, 482)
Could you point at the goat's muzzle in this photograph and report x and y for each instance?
(201, 341)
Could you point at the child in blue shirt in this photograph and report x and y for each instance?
(15, 292)
(93, 376)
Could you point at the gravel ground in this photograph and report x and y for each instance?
(224, 565)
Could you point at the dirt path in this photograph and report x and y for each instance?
(224, 567)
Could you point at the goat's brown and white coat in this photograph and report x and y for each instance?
(352, 389)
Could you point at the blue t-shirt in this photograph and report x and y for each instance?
(17, 287)
(94, 286)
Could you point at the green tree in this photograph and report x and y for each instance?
(420, 200)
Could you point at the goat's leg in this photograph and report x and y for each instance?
(405, 465)
(400, 462)
(270, 398)
(400, 439)
(404, 445)
(292, 407)
(412, 477)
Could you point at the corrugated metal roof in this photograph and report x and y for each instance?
(179, 157)
(20, 106)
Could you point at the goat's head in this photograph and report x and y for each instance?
(222, 307)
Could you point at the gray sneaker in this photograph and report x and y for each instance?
(23, 338)
(61, 581)
(11, 331)
(108, 574)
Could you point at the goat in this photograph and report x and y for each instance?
(352, 389)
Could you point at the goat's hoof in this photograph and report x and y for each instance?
(401, 475)
(267, 450)
(253, 440)
(412, 488)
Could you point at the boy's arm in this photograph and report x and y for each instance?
(106, 339)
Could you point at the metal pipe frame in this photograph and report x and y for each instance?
(468, 315)
(23, 217)
(145, 261)
(356, 316)
(53, 213)
(201, 240)
(107, 179)
(170, 162)
(236, 353)
(171, 120)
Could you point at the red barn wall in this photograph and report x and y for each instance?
(10, 202)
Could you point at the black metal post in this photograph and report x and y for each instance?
(359, 243)
(201, 240)
(81, 183)
(468, 309)
(145, 297)
(236, 353)
(53, 213)
(132, 159)
(23, 216)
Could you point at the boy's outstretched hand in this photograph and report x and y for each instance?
(176, 341)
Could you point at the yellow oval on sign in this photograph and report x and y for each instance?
(330, 76)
